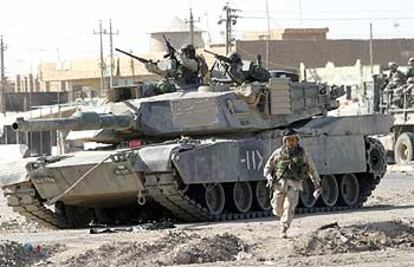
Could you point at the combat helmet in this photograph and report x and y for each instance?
(392, 65)
(411, 61)
(188, 50)
(235, 57)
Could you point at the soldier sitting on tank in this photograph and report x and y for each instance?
(285, 170)
(187, 72)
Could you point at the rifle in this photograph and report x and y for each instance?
(271, 182)
(219, 57)
(171, 49)
(140, 59)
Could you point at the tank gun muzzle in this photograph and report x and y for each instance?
(78, 122)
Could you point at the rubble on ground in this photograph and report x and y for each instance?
(18, 225)
(357, 238)
(17, 254)
(174, 247)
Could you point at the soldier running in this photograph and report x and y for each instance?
(286, 169)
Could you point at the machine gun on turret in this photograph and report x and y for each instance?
(171, 50)
(219, 57)
(140, 59)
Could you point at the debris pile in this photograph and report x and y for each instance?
(173, 247)
(14, 225)
(224, 247)
(16, 254)
(357, 238)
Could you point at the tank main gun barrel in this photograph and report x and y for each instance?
(78, 122)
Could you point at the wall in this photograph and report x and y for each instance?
(354, 75)
(315, 53)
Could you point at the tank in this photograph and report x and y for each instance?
(197, 156)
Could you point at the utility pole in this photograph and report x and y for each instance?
(208, 28)
(371, 52)
(269, 35)
(111, 44)
(102, 63)
(191, 22)
(132, 68)
(300, 13)
(230, 20)
(2, 75)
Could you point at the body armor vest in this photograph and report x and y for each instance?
(291, 164)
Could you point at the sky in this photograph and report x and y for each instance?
(52, 30)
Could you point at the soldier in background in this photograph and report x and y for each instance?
(396, 77)
(410, 72)
(285, 170)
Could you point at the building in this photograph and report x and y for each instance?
(288, 34)
(316, 53)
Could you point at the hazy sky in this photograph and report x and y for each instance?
(45, 30)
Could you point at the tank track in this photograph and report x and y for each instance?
(23, 199)
(164, 189)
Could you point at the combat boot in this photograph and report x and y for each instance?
(283, 233)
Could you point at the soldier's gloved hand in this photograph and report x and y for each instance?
(317, 192)
(269, 179)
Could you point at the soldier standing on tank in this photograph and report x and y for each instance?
(191, 69)
(241, 74)
(410, 72)
(285, 170)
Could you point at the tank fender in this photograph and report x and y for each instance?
(156, 158)
(224, 161)
(14, 172)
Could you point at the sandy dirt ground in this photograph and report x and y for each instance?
(380, 234)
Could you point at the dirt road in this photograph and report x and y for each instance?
(382, 233)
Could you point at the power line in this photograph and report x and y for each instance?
(327, 11)
(335, 19)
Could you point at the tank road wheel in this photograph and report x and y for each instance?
(79, 216)
(242, 196)
(404, 148)
(349, 190)
(306, 197)
(262, 194)
(330, 191)
(215, 198)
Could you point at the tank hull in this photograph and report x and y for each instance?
(179, 176)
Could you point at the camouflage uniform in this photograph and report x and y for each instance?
(190, 69)
(288, 167)
(255, 72)
(410, 72)
(396, 77)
